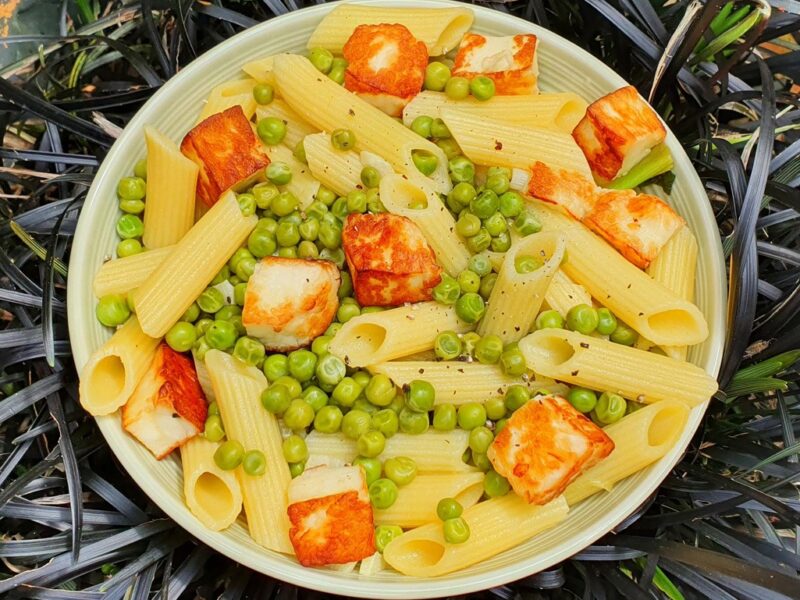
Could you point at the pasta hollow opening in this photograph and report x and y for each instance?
(212, 494)
(555, 350)
(667, 322)
(470, 495)
(452, 34)
(424, 553)
(665, 426)
(367, 338)
(566, 118)
(108, 377)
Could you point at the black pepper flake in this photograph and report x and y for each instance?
(641, 314)
(517, 328)
(460, 370)
(498, 145)
(584, 345)
(629, 286)
(351, 112)
(575, 373)
(421, 371)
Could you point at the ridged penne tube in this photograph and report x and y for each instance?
(261, 70)
(602, 365)
(204, 379)
(303, 88)
(171, 184)
(114, 370)
(433, 451)
(378, 337)
(441, 29)
(675, 268)
(494, 143)
(633, 296)
(516, 297)
(296, 127)
(303, 184)
(212, 494)
(121, 275)
(416, 502)
(560, 111)
(196, 259)
(563, 293)
(640, 439)
(434, 220)
(456, 382)
(495, 525)
(238, 388)
(337, 170)
(230, 93)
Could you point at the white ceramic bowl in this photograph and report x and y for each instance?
(564, 67)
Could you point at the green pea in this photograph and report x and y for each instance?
(457, 88)
(516, 396)
(236, 321)
(302, 364)
(481, 88)
(526, 223)
(296, 469)
(320, 345)
(436, 76)
(624, 335)
(371, 466)
(495, 485)
(444, 417)
(380, 390)
(330, 236)
(413, 422)
(263, 93)
(271, 130)
(202, 326)
(524, 263)
(362, 403)
(400, 469)
(356, 202)
(325, 195)
(361, 377)
(582, 318)
(495, 408)
(346, 391)
(238, 256)
(322, 59)
(461, 169)
(279, 173)
(133, 207)
(485, 204)
(386, 422)
(606, 321)
(315, 397)
(247, 204)
(498, 183)
(298, 416)
(447, 345)
(489, 349)
(468, 225)
(181, 336)
(335, 256)
(582, 399)
(131, 188)
(130, 226)
(487, 285)
(254, 463)
(370, 177)
(499, 426)
(383, 493)
(501, 243)
(469, 341)
(285, 203)
(374, 204)
(200, 348)
(511, 204)
(140, 168)
(261, 243)
(385, 534)
(276, 399)
(112, 310)
(461, 195)
(610, 408)
(425, 162)
(343, 139)
(456, 531)
(549, 319)
(449, 508)
(295, 449)
(449, 146)
(480, 460)
(447, 291)
(245, 268)
(211, 300)
(264, 193)
(328, 419)
(291, 384)
(221, 335)
(213, 409)
(470, 307)
(221, 276)
(330, 369)
(420, 395)
(339, 208)
(422, 126)
(471, 415)
(288, 235)
(275, 366)
(371, 444)
(439, 129)
(355, 423)
(213, 430)
(480, 265)
(228, 455)
(480, 438)
(372, 309)
(513, 361)
(129, 248)
(480, 241)
(347, 311)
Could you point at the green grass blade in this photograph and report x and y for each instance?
(769, 367)
(37, 248)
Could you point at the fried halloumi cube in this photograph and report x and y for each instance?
(617, 132)
(227, 151)
(544, 446)
(390, 260)
(510, 61)
(290, 301)
(168, 407)
(568, 189)
(330, 516)
(637, 225)
(385, 65)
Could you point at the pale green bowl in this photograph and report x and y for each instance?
(173, 110)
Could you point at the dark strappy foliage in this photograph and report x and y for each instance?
(723, 525)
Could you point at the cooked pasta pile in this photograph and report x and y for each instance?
(394, 304)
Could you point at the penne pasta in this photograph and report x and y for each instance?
(114, 370)
(416, 502)
(238, 388)
(231, 93)
(337, 170)
(302, 87)
(433, 451)
(296, 127)
(640, 439)
(212, 494)
(634, 297)
(516, 297)
(121, 275)
(261, 70)
(171, 184)
(303, 185)
(495, 525)
(494, 143)
(598, 364)
(197, 258)
(434, 220)
(560, 111)
(378, 337)
(563, 293)
(441, 29)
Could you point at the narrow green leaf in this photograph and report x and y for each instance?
(728, 37)
(37, 248)
(769, 367)
(754, 386)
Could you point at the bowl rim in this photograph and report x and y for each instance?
(329, 581)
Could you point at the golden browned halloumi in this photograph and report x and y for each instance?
(568, 189)
(510, 61)
(290, 301)
(168, 406)
(617, 132)
(389, 259)
(544, 446)
(331, 516)
(227, 151)
(637, 225)
(385, 65)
